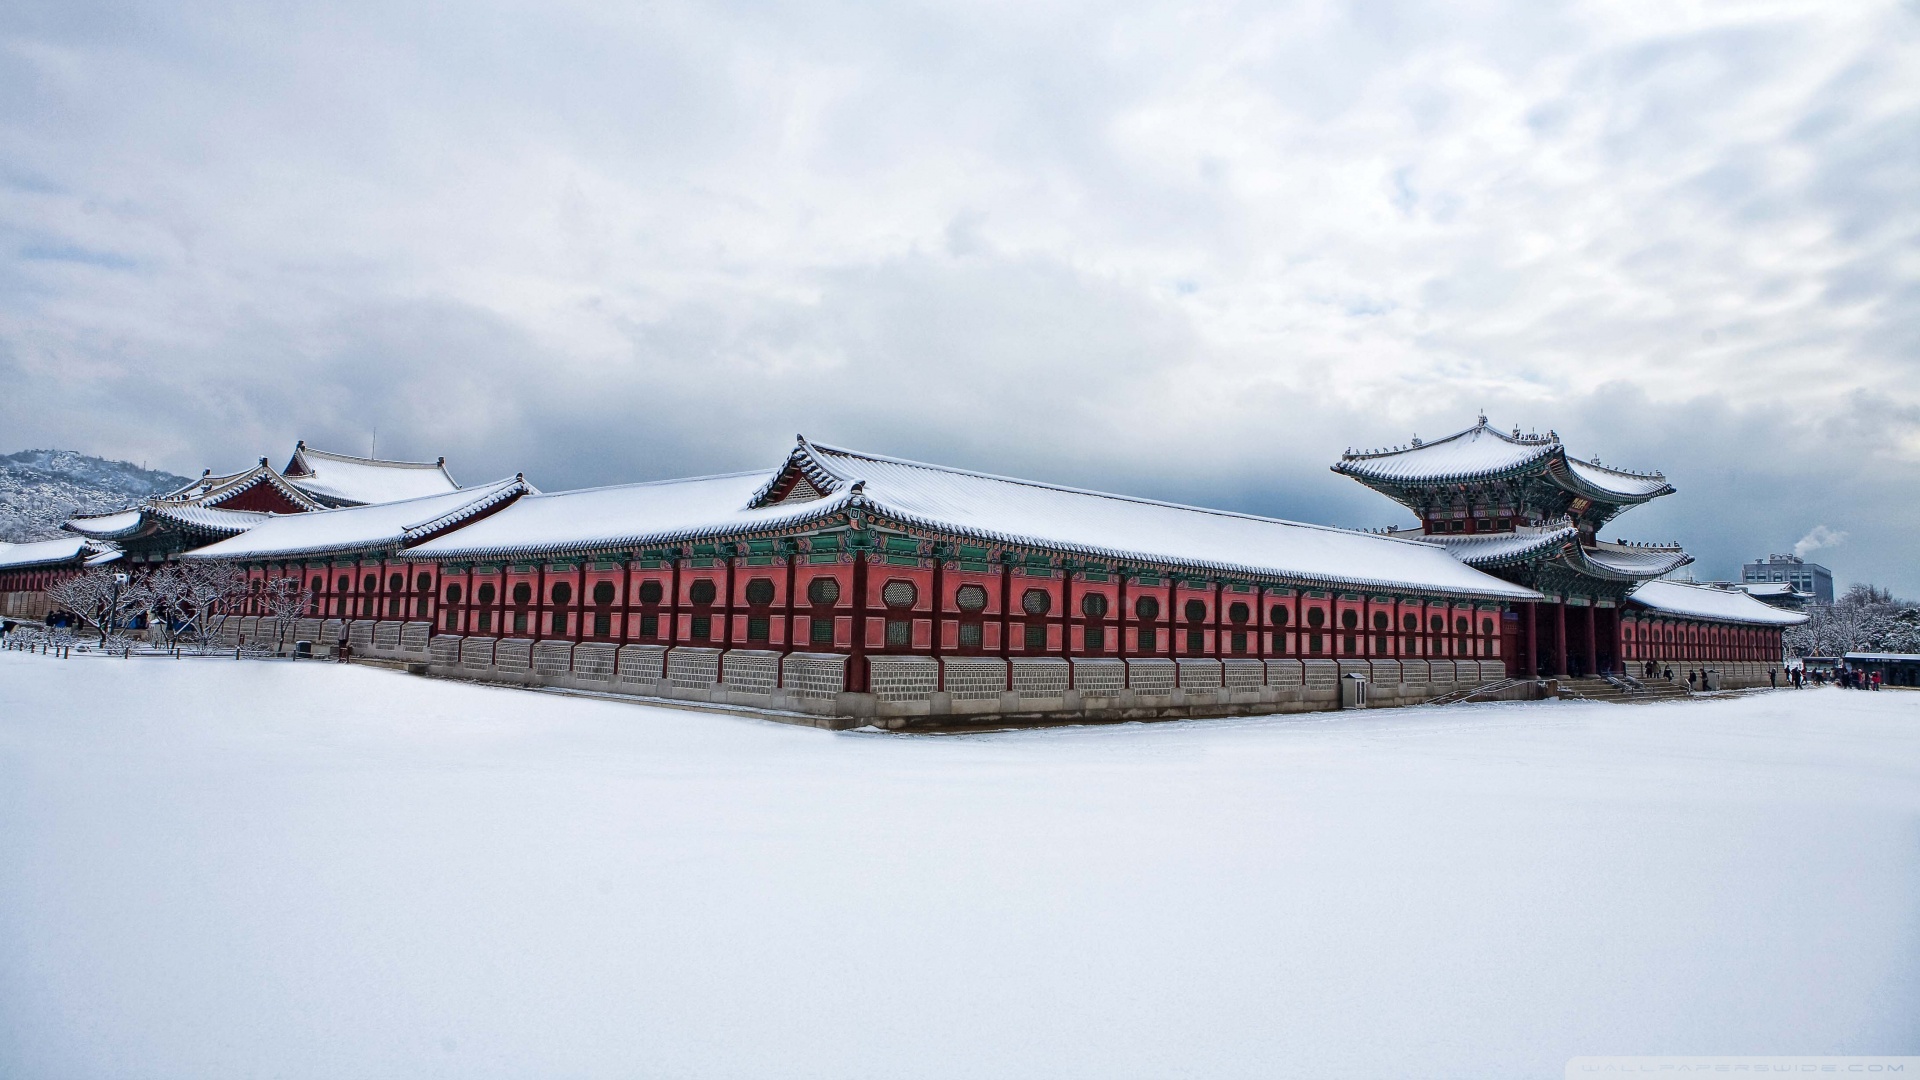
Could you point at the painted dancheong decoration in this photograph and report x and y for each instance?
(843, 588)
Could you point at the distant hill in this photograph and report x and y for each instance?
(41, 488)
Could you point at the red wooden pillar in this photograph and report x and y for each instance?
(1560, 638)
(858, 664)
(626, 593)
(1593, 640)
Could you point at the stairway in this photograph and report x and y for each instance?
(1596, 689)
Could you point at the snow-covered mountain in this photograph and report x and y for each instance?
(41, 488)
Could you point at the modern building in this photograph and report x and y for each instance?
(1805, 577)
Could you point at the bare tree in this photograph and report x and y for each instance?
(97, 598)
(285, 599)
(197, 594)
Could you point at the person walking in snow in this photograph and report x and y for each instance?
(1773, 678)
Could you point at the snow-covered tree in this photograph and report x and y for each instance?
(96, 598)
(285, 600)
(1866, 619)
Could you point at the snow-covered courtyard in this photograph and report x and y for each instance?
(212, 868)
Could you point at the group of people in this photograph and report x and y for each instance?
(1849, 678)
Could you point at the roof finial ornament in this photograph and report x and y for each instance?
(1483, 418)
(1416, 439)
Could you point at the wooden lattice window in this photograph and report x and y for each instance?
(1238, 614)
(899, 593)
(970, 635)
(970, 598)
(1036, 602)
(702, 592)
(1147, 607)
(759, 628)
(650, 626)
(822, 631)
(603, 592)
(899, 633)
(760, 592)
(702, 627)
(651, 592)
(1036, 636)
(822, 591)
(1094, 605)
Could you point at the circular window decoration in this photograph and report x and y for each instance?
(1278, 616)
(1460, 626)
(522, 593)
(603, 593)
(1238, 614)
(1410, 622)
(396, 582)
(370, 583)
(453, 594)
(484, 593)
(1486, 627)
(760, 591)
(1316, 616)
(970, 598)
(1437, 624)
(1036, 601)
(1094, 605)
(899, 593)
(702, 592)
(1195, 610)
(651, 592)
(1380, 620)
(562, 592)
(1147, 607)
(1349, 619)
(823, 591)
(424, 582)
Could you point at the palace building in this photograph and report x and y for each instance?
(1521, 508)
(847, 586)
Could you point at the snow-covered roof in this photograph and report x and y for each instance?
(1769, 588)
(1482, 452)
(342, 479)
(1488, 550)
(956, 502)
(1637, 560)
(1618, 482)
(625, 515)
(1706, 602)
(358, 528)
(66, 549)
(106, 526)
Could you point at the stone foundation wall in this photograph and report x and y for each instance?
(959, 691)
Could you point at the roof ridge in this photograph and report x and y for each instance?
(304, 449)
(650, 483)
(1136, 499)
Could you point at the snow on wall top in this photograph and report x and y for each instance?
(1706, 602)
(42, 553)
(343, 478)
(361, 527)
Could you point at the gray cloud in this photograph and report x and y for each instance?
(1190, 253)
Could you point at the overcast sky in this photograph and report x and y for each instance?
(1190, 251)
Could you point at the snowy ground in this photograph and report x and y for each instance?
(214, 869)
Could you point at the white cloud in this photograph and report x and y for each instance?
(1818, 537)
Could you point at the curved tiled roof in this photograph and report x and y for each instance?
(112, 526)
(66, 549)
(1483, 452)
(363, 481)
(1687, 600)
(1474, 454)
(979, 506)
(1629, 560)
(1488, 550)
(360, 528)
